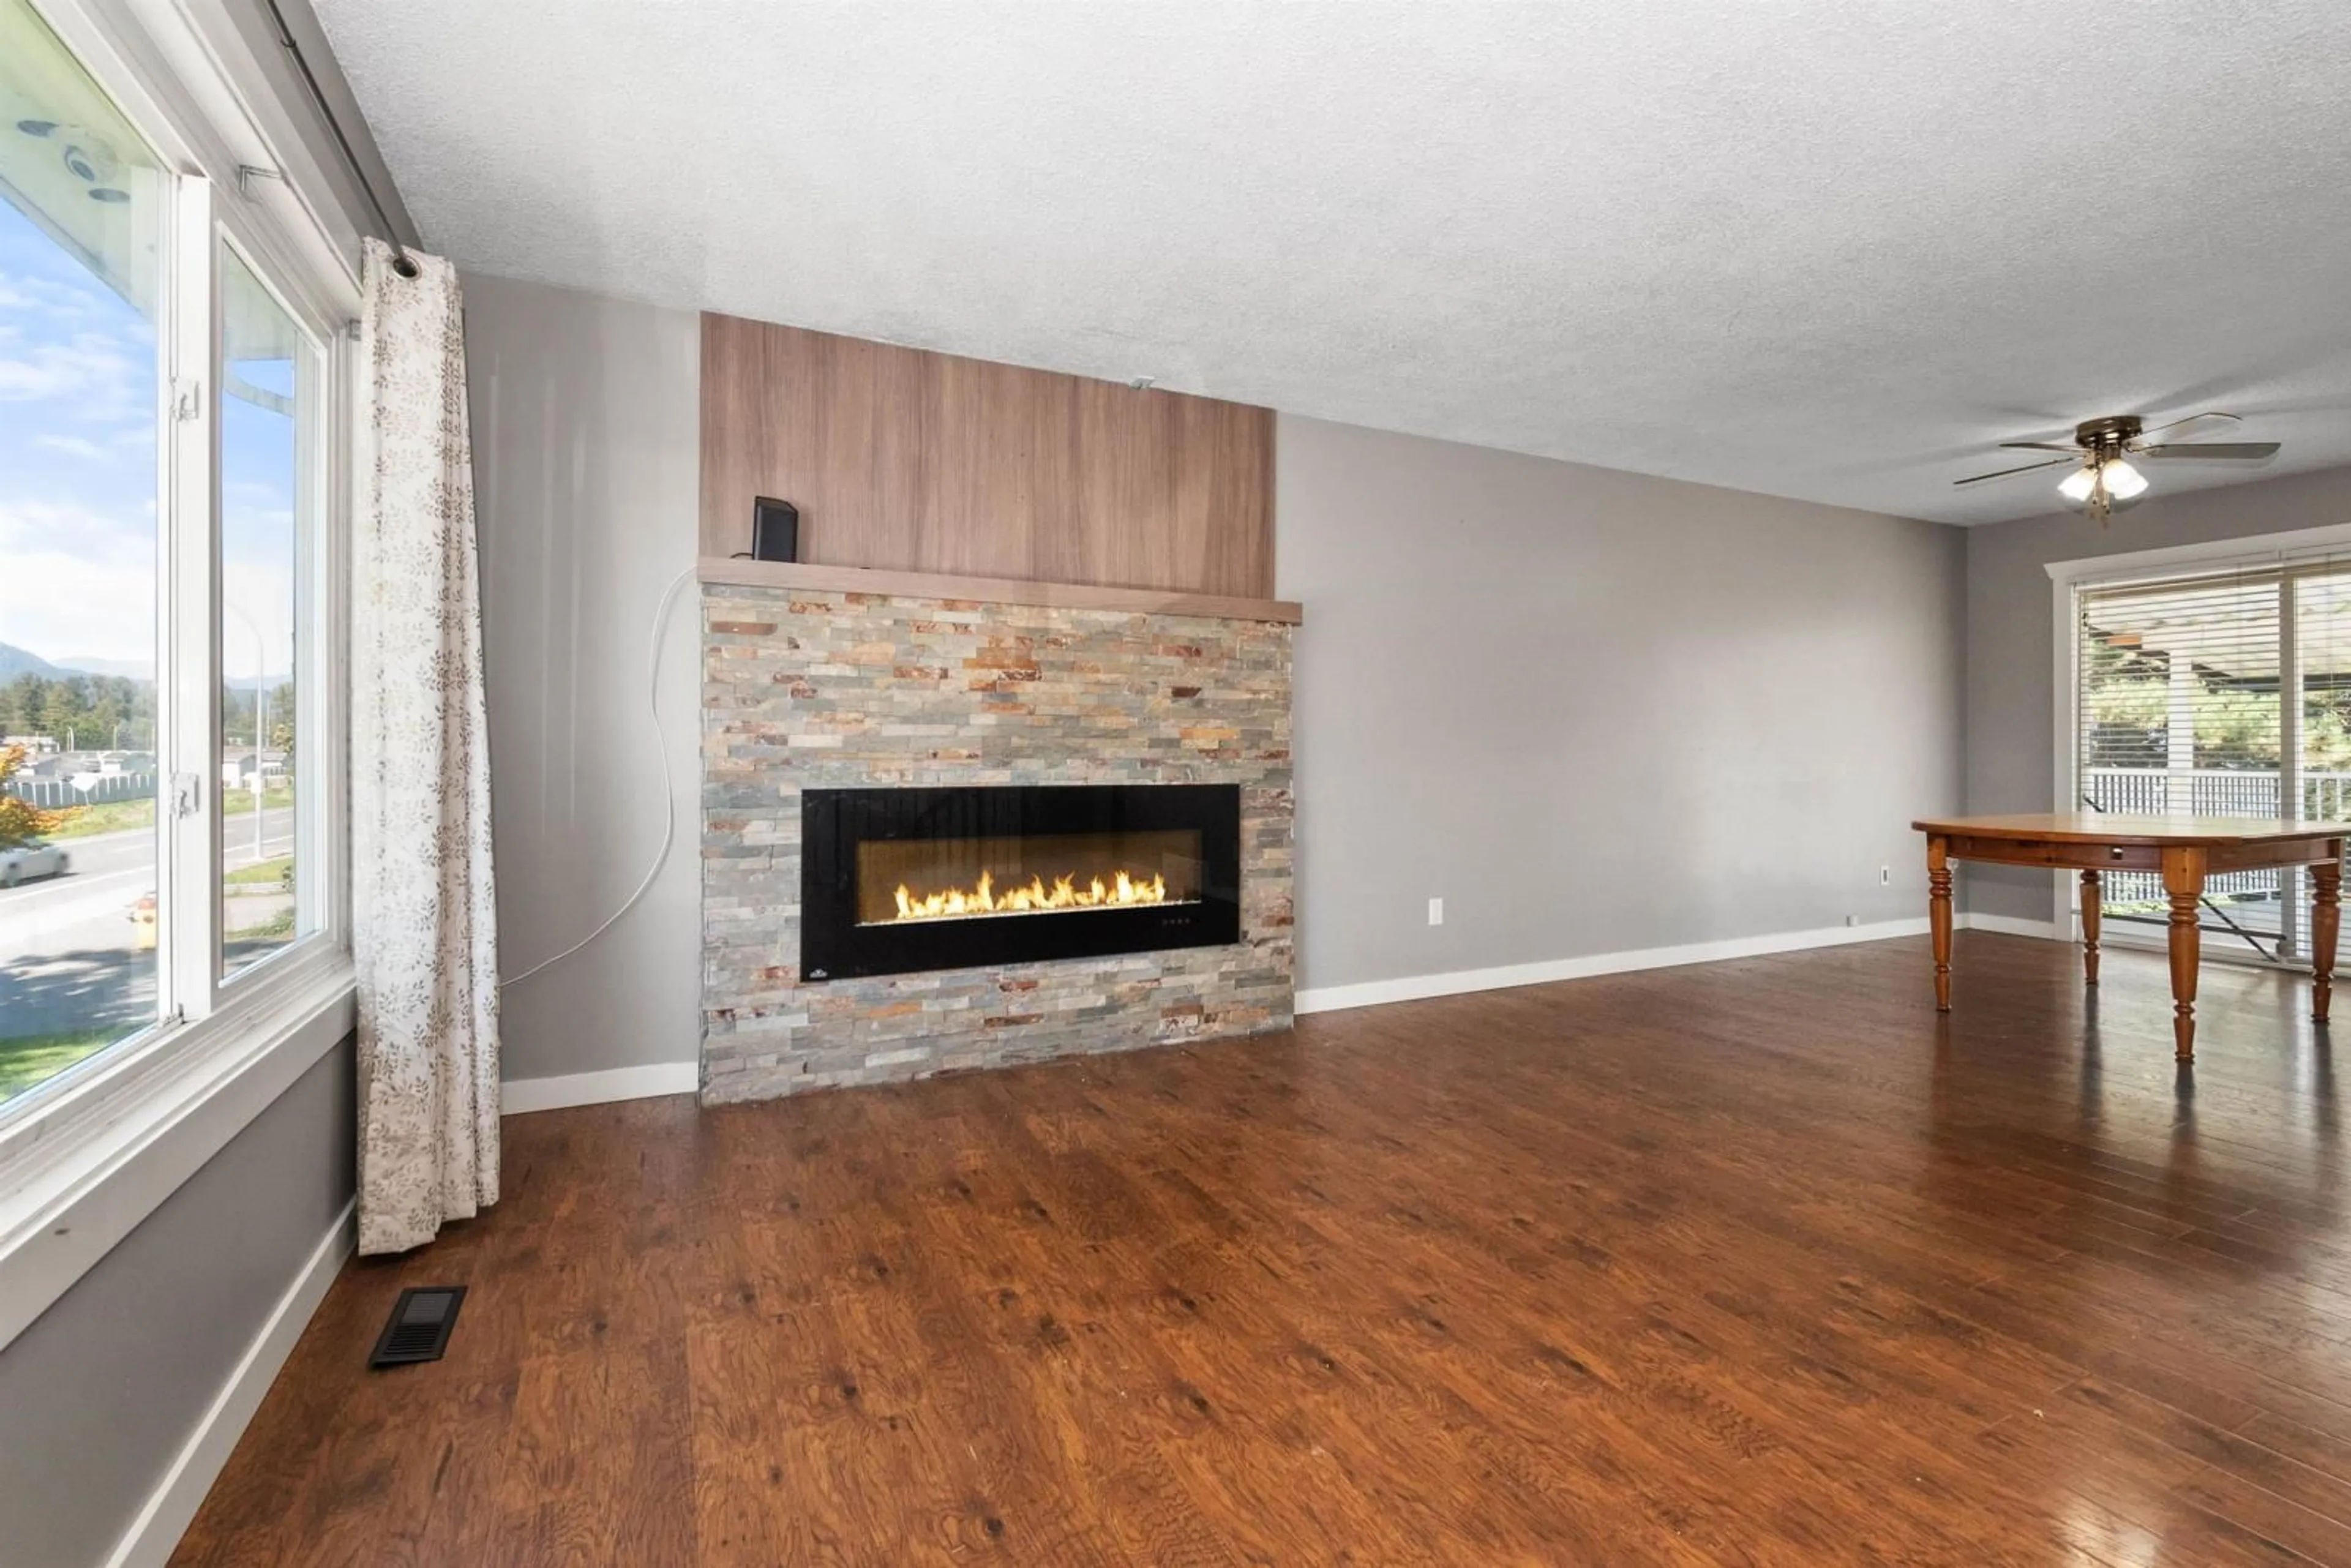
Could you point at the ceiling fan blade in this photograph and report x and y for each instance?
(2190, 419)
(2004, 473)
(2040, 446)
(2228, 451)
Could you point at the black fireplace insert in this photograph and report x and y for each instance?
(894, 881)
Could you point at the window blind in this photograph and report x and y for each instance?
(2222, 695)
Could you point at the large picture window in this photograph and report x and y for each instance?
(166, 413)
(80, 285)
(2225, 694)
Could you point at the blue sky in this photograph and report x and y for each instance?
(77, 379)
(76, 456)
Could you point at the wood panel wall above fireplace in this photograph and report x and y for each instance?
(919, 461)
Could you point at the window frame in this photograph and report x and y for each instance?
(87, 1153)
(2068, 580)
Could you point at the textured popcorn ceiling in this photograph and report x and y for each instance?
(1824, 248)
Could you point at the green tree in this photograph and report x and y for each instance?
(91, 711)
(20, 704)
(280, 727)
(21, 821)
(61, 718)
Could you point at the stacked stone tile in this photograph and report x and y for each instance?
(804, 690)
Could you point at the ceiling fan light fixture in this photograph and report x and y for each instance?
(2103, 481)
(2103, 485)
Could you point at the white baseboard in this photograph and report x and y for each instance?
(523, 1094)
(520, 1094)
(1414, 987)
(2012, 926)
(149, 1542)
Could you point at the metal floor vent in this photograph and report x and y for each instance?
(420, 1324)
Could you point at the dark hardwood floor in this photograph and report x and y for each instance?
(1753, 1262)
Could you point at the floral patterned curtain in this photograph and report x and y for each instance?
(425, 926)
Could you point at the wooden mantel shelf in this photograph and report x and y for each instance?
(739, 573)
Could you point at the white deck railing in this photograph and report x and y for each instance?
(2212, 791)
(2206, 792)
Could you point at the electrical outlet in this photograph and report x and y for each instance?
(1886, 877)
(1437, 912)
(1852, 920)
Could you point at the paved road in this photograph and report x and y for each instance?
(68, 957)
(89, 906)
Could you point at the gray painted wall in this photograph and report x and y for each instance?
(99, 1394)
(2011, 700)
(1597, 712)
(586, 471)
(1703, 714)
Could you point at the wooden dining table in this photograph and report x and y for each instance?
(2184, 850)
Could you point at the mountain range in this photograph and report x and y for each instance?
(16, 662)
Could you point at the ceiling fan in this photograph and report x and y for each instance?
(2103, 480)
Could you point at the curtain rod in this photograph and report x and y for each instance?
(401, 264)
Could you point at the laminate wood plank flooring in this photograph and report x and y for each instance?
(1753, 1262)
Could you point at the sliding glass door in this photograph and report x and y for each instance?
(2222, 695)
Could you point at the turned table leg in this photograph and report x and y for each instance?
(2183, 879)
(1938, 916)
(2093, 900)
(2325, 922)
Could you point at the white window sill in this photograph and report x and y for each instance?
(81, 1173)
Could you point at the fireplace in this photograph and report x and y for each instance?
(894, 881)
(856, 743)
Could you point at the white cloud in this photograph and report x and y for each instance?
(76, 583)
(94, 375)
(75, 346)
(258, 620)
(72, 445)
(80, 582)
(254, 537)
(33, 525)
(54, 303)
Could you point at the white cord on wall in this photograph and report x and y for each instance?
(669, 794)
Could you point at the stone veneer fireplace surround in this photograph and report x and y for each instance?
(813, 682)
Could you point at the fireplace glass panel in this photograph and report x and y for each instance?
(963, 858)
(901, 881)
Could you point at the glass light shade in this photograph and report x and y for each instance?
(2122, 481)
(2076, 487)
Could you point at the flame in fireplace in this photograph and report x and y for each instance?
(1035, 895)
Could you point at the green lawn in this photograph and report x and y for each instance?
(235, 803)
(29, 1059)
(114, 817)
(121, 816)
(268, 873)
